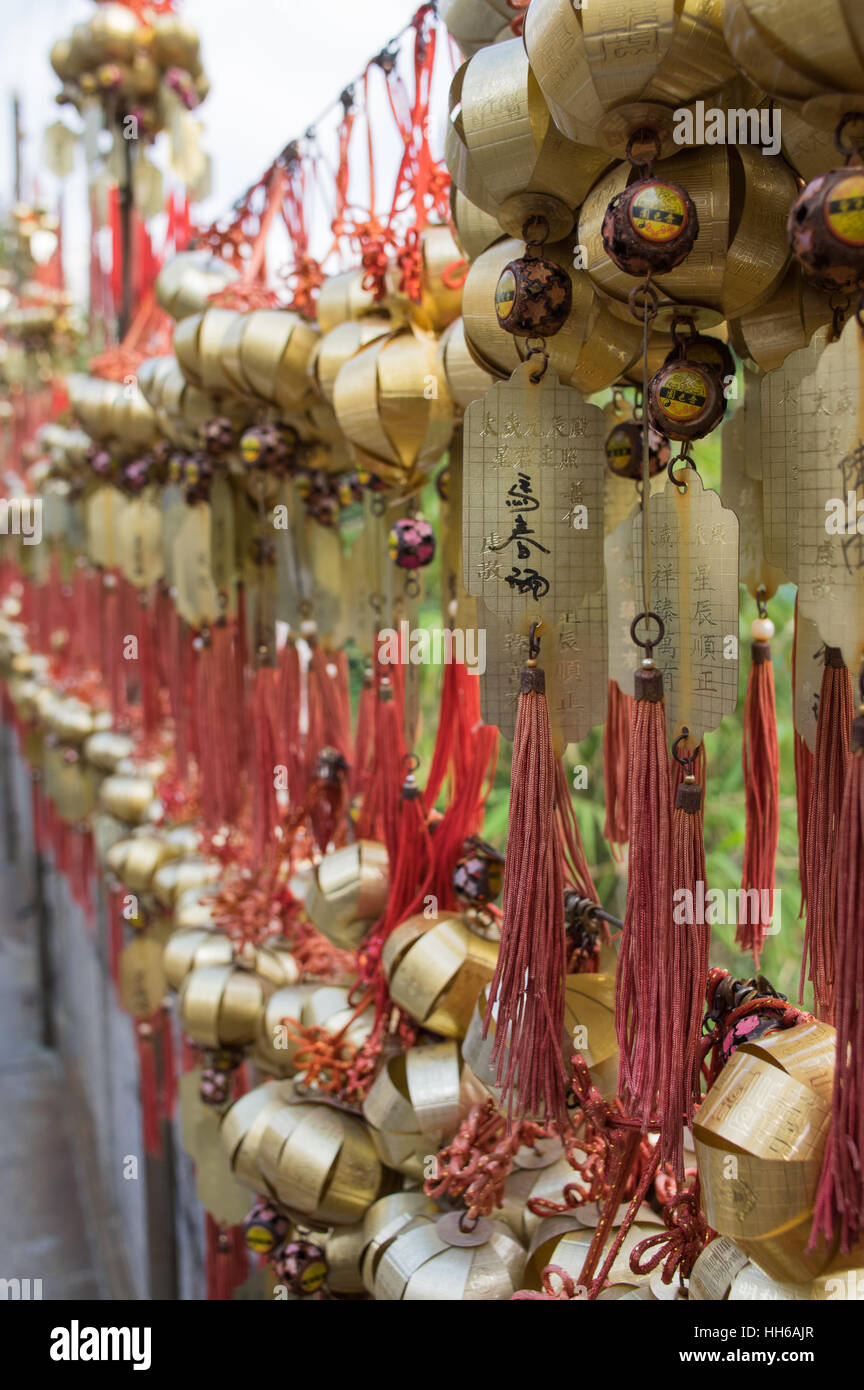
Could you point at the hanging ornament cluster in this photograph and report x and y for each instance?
(416, 1066)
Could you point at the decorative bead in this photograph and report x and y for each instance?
(533, 297)
(302, 1266)
(412, 543)
(265, 1228)
(761, 629)
(477, 876)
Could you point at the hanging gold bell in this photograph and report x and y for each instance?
(473, 228)
(334, 348)
(273, 350)
(127, 797)
(194, 908)
(175, 43)
(476, 23)
(320, 1162)
(741, 252)
(276, 1047)
(343, 297)
(193, 948)
(466, 380)
(504, 151)
(436, 968)
(760, 1138)
(222, 1005)
(343, 1249)
(179, 875)
(348, 892)
(382, 1224)
(545, 1178)
(394, 407)
(412, 1108)
(242, 1126)
(606, 73)
(135, 861)
(104, 749)
(186, 283)
(783, 324)
(431, 1259)
(795, 51)
(328, 1007)
(564, 1241)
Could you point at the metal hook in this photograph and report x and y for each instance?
(685, 760)
(534, 640)
(761, 605)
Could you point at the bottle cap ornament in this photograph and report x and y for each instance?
(686, 399)
(624, 445)
(826, 225)
(650, 227)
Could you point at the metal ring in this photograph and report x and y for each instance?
(410, 762)
(648, 137)
(647, 617)
(412, 586)
(682, 457)
(539, 220)
(648, 309)
(761, 606)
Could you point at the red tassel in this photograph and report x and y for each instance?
(528, 985)
(464, 816)
(642, 1014)
(803, 781)
(379, 816)
(328, 674)
(148, 669)
(840, 1197)
(829, 776)
(287, 715)
(616, 749)
(115, 933)
(227, 1263)
(148, 1089)
(576, 872)
(219, 723)
(760, 762)
(365, 741)
(265, 810)
(687, 974)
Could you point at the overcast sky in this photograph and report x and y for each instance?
(274, 64)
